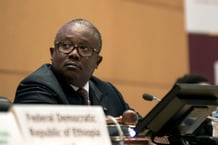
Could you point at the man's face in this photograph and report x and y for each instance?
(73, 67)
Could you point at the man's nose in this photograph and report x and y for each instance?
(74, 54)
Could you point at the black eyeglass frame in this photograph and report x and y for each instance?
(79, 48)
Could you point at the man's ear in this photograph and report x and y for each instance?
(51, 51)
(99, 60)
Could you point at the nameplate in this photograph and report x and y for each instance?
(62, 124)
(9, 130)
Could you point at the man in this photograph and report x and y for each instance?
(74, 57)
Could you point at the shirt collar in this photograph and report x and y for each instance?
(86, 87)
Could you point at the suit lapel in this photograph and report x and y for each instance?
(95, 94)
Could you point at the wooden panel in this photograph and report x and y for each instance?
(9, 84)
(144, 41)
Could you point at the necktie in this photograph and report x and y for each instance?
(84, 94)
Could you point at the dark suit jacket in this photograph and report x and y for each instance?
(44, 87)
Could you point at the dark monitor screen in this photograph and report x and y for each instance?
(181, 111)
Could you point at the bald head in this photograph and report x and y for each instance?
(79, 25)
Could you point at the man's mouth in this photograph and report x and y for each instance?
(72, 65)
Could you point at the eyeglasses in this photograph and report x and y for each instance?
(66, 47)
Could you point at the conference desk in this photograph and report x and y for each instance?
(133, 141)
(138, 141)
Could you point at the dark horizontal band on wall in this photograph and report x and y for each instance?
(13, 72)
(132, 83)
(178, 6)
(136, 83)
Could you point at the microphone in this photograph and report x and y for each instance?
(149, 97)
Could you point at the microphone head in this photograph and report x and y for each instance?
(148, 97)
